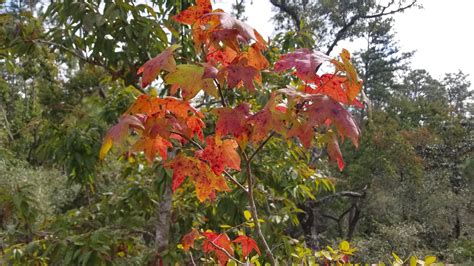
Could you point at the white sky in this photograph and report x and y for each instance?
(442, 33)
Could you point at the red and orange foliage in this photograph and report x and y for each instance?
(234, 54)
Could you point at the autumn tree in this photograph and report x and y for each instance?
(221, 159)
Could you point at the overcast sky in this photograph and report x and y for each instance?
(442, 33)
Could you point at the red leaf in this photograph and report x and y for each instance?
(188, 240)
(248, 244)
(317, 110)
(152, 68)
(220, 155)
(205, 181)
(220, 240)
(304, 61)
(233, 122)
(333, 150)
(240, 73)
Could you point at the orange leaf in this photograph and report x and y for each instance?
(269, 119)
(353, 85)
(152, 146)
(335, 86)
(193, 13)
(206, 182)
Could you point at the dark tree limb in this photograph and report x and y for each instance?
(341, 33)
(291, 11)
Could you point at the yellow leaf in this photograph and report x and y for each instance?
(326, 254)
(413, 261)
(247, 215)
(225, 226)
(344, 246)
(105, 148)
(429, 260)
(397, 259)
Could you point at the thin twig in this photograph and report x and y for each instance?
(221, 94)
(224, 250)
(261, 146)
(192, 259)
(253, 211)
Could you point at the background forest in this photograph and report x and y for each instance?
(68, 71)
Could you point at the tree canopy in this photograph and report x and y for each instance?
(171, 132)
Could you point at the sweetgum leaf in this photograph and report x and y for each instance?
(220, 240)
(233, 122)
(163, 61)
(117, 133)
(190, 79)
(305, 61)
(206, 182)
(353, 85)
(220, 155)
(248, 244)
(337, 87)
(193, 13)
(188, 240)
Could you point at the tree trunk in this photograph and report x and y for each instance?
(163, 225)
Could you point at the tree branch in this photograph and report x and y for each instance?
(261, 146)
(291, 11)
(340, 34)
(253, 210)
(79, 56)
(221, 94)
